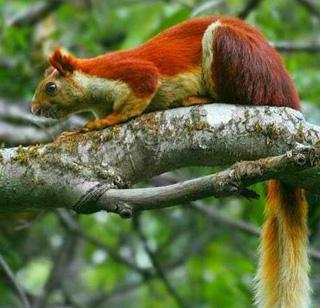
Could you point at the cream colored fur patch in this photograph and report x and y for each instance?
(104, 94)
(208, 55)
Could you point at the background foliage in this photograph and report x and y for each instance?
(201, 255)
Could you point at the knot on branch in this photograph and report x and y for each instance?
(300, 159)
(307, 157)
(125, 211)
(233, 183)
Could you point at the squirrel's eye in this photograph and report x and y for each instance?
(51, 88)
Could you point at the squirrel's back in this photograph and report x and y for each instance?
(173, 51)
(242, 67)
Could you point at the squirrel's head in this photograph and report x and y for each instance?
(59, 93)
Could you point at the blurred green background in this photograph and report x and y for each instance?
(200, 255)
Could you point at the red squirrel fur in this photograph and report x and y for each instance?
(213, 57)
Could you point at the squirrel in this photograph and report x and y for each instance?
(215, 57)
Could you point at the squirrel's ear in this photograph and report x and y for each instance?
(62, 62)
(49, 71)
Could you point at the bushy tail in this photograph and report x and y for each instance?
(282, 278)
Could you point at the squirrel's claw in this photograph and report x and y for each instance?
(109, 120)
(91, 125)
(94, 125)
(65, 135)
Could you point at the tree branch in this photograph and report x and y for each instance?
(309, 47)
(228, 182)
(249, 7)
(17, 126)
(85, 171)
(61, 264)
(207, 7)
(246, 227)
(73, 227)
(157, 265)
(310, 7)
(34, 13)
(12, 279)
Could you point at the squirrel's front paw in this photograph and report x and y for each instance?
(94, 125)
(65, 135)
(109, 120)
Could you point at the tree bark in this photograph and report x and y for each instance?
(80, 169)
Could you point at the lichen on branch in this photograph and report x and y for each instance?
(67, 171)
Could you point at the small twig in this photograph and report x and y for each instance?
(156, 264)
(215, 216)
(239, 225)
(100, 300)
(35, 13)
(297, 46)
(59, 269)
(310, 7)
(11, 277)
(73, 226)
(207, 7)
(7, 63)
(169, 266)
(192, 249)
(182, 3)
(250, 6)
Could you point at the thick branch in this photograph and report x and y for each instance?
(81, 169)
